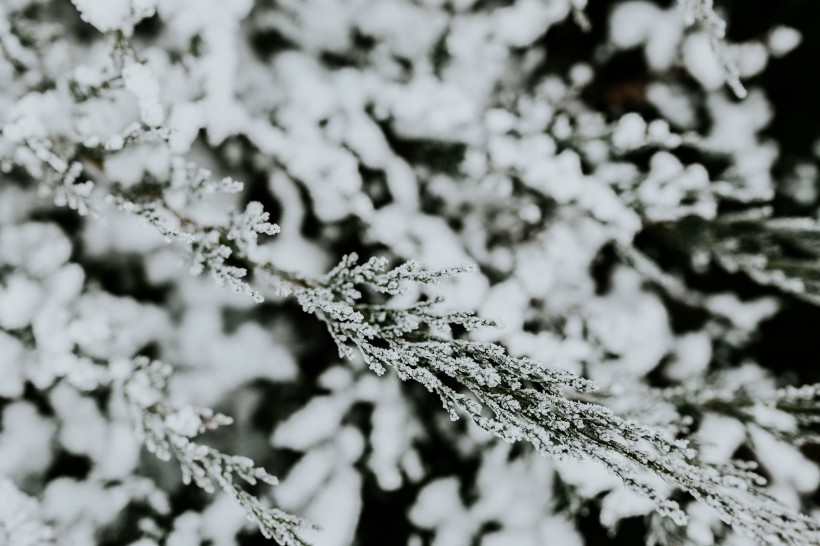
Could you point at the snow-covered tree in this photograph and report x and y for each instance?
(573, 226)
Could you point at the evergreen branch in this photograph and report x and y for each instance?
(168, 431)
(520, 399)
(790, 414)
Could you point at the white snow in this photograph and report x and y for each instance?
(106, 15)
(720, 437)
(438, 501)
(701, 62)
(631, 23)
(315, 422)
(25, 441)
(786, 464)
(12, 361)
(630, 132)
(141, 82)
(782, 40)
(20, 523)
(693, 353)
(20, 300)
(336, 508)
(639, 23)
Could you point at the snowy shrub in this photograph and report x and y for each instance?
(569, 224)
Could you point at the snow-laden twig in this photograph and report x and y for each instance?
(521, 399)
(702, 13)
(167, 431)
(790, 414)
